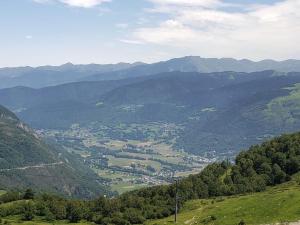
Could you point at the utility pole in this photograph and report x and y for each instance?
(176, 200)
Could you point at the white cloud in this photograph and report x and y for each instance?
(77, 3)
(135, 42)
(201, 3)
(84, 3)
(28, 36)
(169, 32)
(208, 28)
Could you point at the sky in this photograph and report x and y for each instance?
(53, 32)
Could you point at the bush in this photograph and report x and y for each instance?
(58, 209)
(41, 208)
(29, 194)
(97, 219)
(242, 222)
(10, 197)
(117, 219)
(209, 219)
(29, 212)
(49, 216)
(134, 216)
(74, 210)
(213, 218)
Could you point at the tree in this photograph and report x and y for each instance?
(117, 219)
(74, 212)
(29, 212)
(29, 194)
(279, 175)
(134, 216)
(58, 209)
(49, 216)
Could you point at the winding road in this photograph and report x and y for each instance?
(33, 167)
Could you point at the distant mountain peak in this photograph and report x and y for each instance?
(68, 64)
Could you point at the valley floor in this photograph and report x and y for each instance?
(277, 205)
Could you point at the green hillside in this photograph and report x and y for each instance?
(285, 110)
(277, 204)
(258, 188)
(19, 146)
(27, 161)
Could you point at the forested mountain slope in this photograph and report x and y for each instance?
(222, 112)
(27, 161)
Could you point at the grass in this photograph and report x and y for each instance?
(123, 187)
(109, 174)
(285, 109)
(2, 192)
(125, 162)
(276, 205)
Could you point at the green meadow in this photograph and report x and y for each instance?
(276, 205)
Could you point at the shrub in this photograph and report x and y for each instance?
(134, 216)
(242, 222)
(74, 212)
(29, 194)
(29, 212)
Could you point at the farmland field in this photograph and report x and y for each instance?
(128, 155)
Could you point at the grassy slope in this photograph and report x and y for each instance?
(277, 204)
(285, 110)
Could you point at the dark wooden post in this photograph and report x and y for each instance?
(176, 200)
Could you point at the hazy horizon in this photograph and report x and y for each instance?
(163, 60)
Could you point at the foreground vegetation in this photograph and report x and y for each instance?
(277, 204)
(269, 164)
(38, 221)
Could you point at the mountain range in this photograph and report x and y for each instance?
(54, 75)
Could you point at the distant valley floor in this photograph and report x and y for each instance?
(130, 156)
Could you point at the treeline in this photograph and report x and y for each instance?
(271, 163)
